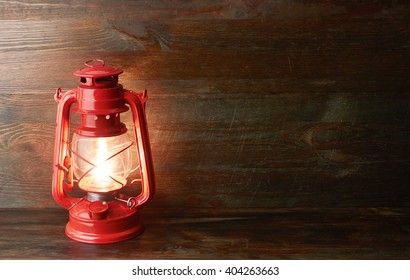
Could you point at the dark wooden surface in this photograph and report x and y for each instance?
(279, 129)
(228, 233)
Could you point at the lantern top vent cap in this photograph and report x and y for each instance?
(96, 68)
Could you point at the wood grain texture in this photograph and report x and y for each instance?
(258, 233)
(274, 105)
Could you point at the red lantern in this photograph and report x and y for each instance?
(98, 159)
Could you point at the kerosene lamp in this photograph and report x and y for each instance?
(98, 159)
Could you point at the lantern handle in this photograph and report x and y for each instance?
(137, 105)
(94, 62)
(65, 100)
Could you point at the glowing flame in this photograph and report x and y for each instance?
(103, 169)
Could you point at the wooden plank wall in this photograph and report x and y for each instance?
(251, 103)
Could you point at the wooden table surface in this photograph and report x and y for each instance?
(198, 233)
(279, 129)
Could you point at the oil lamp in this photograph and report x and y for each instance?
(98, 158)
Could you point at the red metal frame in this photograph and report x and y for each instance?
(99, 94)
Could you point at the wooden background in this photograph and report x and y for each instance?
(279, 129)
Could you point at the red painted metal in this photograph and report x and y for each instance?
(100, 218)
(120, 223)
(100, 100)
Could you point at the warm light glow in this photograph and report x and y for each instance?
(103, 168)
(101, 164)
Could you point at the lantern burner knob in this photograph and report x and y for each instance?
(131, 202)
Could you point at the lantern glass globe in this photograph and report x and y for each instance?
(101, 164)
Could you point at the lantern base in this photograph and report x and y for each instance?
(103, 222)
